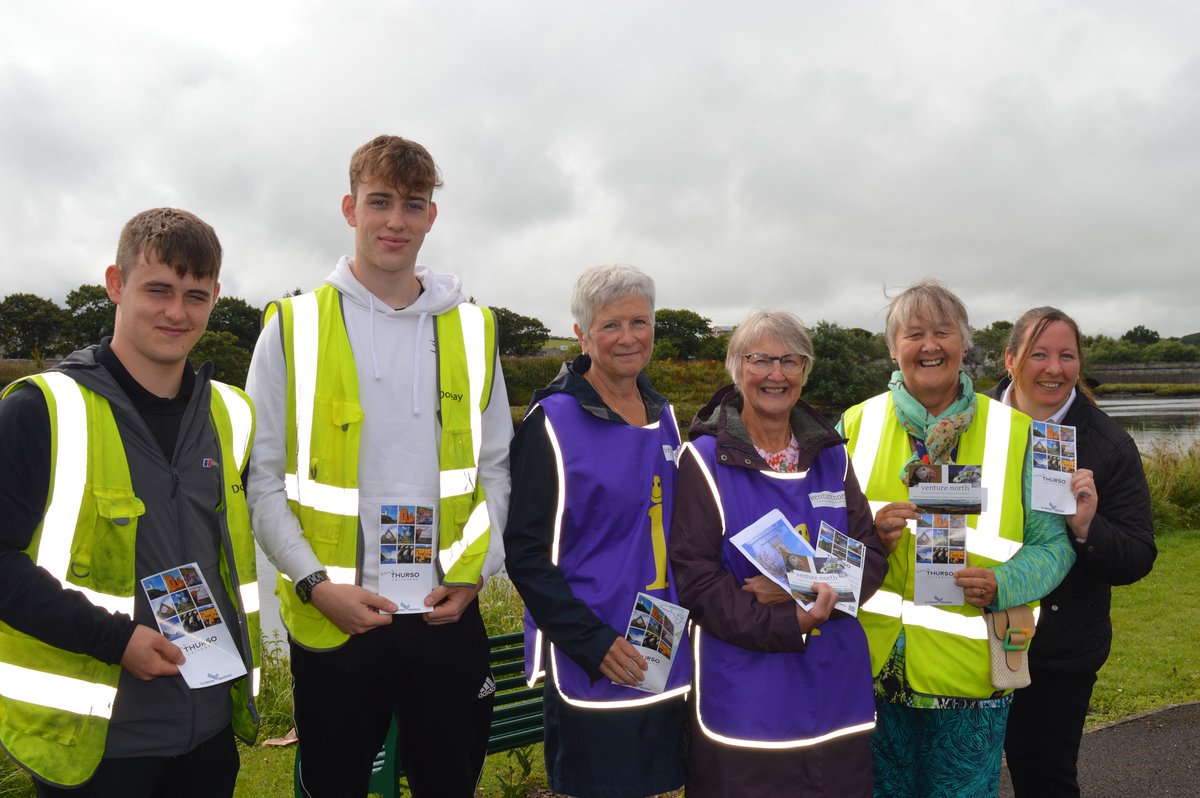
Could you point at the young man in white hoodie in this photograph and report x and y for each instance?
(383, 419)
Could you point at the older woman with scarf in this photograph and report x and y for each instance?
(940, 723)
(782, 695)
(593, 471)
(1112, 532)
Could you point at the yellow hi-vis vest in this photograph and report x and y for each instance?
(946, 647)
(323, 429)
(54, 704)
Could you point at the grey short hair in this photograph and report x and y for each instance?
(600, 285)
(929, 300)
(779, 324)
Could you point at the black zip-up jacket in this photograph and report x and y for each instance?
(1074, 632)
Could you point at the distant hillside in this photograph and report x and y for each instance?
(1193, 339)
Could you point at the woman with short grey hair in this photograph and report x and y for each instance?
(593, 478)
(782, 701)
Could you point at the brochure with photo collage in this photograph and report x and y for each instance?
(941, 552)
(186, 615)
(783, 555)
(1054, 461)
(655, 627)
(407, 537)
(846, 556)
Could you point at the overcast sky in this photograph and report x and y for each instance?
(800, 155)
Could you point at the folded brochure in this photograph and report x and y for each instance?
(656, 628)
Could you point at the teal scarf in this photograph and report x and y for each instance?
(940, 434)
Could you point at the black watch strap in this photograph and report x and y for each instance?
(305, 586)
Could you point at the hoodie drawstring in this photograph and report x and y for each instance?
(371, 327)
(416, 394)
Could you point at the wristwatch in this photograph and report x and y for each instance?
(305, 586)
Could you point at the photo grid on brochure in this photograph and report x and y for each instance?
(656, 627)
(186, 615)
(406, 540)
(1054, 462)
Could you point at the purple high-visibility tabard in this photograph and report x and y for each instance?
(616, 490)
(785, 698)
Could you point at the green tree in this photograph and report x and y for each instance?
(519, 335)
(234, 315)
(714, 347)
(987, 353)
(686, 330)
(1170, 352)
(30, 326)
(230, 361)
(93, 316)
(1141, 336)
(850, 365)
(1109, 350)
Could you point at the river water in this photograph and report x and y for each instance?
(1150, 421)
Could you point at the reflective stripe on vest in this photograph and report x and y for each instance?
(464, 351)
(70, 476)
(57, 692)
(762, 744)
(300, 486)
(560, 509)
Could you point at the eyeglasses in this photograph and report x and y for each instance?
(762, 363)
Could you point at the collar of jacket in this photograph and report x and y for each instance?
(570, 380)
(722, 418)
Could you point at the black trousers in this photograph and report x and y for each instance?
(1045, 725)
(435, 680)
(207, 771)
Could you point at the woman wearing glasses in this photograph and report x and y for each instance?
(782, 701)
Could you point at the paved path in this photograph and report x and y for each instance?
(1155, 755)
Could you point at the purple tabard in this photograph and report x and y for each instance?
(617, 483)
(798, 697)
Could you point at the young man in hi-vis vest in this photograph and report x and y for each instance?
(378, 489)
(125, 545)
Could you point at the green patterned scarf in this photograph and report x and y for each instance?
(939, 434)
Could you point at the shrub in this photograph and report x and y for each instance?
(524, 375)
(1173, 473)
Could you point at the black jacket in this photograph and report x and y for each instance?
(1074, 633)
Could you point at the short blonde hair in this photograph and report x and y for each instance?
(778, 324)
(929, 300)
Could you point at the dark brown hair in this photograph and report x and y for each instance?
(181, 240)
(1029, 328)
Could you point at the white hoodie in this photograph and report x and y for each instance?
(398, 451)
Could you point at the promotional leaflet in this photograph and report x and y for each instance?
(655, 627)
(407, 545)
(187, 616)
(769, 542)
(783, 555)
(941, 552)
(1053, 464)
(846, 556)
(947, 489)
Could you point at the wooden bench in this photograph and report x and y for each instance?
(516, 720)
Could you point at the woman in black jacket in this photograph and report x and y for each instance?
(1113, 534)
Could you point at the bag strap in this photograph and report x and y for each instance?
(1014, 627)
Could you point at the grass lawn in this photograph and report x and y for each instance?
(1154, 663)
